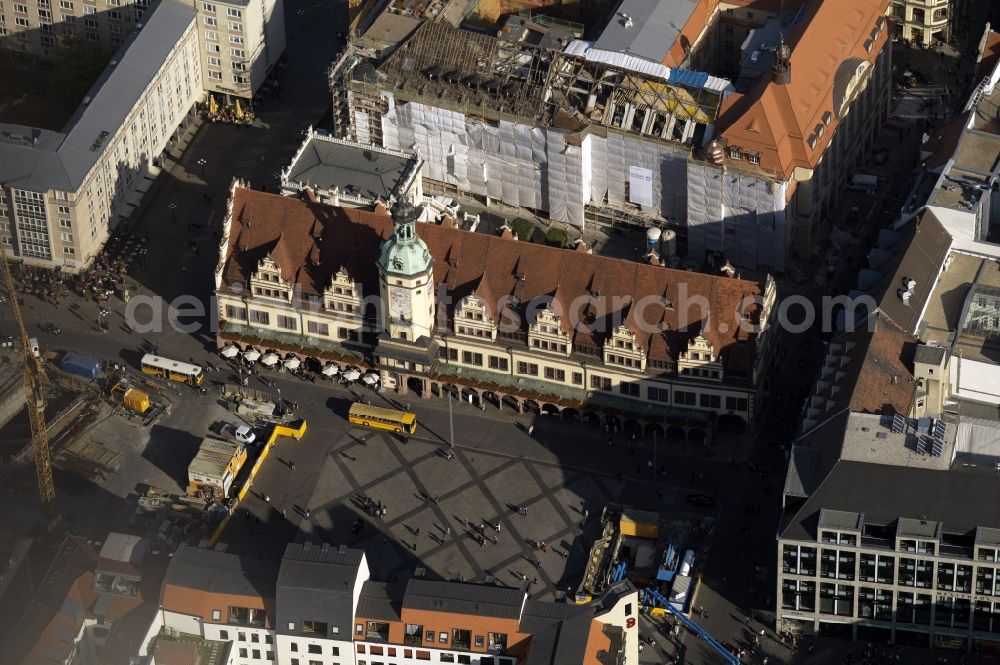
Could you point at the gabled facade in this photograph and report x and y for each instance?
(318, 606)
(434, 307)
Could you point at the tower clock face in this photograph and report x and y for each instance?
(399, 302)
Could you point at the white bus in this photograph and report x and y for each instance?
(172, 369)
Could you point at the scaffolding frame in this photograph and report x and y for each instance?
(494, 78)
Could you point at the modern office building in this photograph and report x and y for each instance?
(638, 126)
(522, 324)
(890, 530)
(318, 605)
(61, 192)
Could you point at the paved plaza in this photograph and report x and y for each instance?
(440, 513)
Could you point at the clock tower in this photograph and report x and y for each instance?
(406, 349)
(406, 278)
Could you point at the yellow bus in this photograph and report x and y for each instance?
(172, 369)
(376, 416)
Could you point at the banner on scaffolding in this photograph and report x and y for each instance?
(640, 186)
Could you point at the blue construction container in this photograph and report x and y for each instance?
(74, 363)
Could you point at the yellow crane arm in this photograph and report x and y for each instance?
(34, 392)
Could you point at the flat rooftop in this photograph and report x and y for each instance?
(365, 171)
(943, 318)
(868, 439)
(654, 27)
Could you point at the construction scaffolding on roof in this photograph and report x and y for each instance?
(491, 77)
(535, 127)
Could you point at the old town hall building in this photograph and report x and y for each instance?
(490, 318)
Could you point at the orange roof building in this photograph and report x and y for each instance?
(543, 325)
(617, 132)
(219, 607)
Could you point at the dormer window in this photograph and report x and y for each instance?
(820, 130)
(735, 152)
(811, 141)
(753, 157)
(827, 118)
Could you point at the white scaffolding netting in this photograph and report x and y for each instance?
(362, 131)
(535, 167)
(736, 214)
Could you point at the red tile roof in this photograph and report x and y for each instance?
(872, 371)
(828, 46)
(310, 242)
(990, 55)
(170, 652)
(885, 382)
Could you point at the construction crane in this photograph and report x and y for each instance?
(34, 392)
(651, 598)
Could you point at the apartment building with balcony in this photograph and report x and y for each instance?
(61, 192)
(525, 325)
(318, 605)
(923, 21)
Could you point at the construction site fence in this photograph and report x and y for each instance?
(295, 431)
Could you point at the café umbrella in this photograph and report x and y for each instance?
(270, 359)
(292, 363)
(330, 370)
(352, 375)
(252, 355)
(228, 351)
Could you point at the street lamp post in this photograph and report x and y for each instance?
(655, 477)
(173, 212)
(451, 425)
(202, 162)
